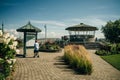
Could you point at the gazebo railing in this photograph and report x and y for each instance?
(80, 38)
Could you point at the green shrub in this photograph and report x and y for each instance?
(118, 48)
(109, 49)
(7, 54)
(2, 77)
(103, 52)
(49, 46)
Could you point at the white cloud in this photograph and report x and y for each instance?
(56, 23)
(90, 21)
(14, 32)
(52, 34)
(99, 34)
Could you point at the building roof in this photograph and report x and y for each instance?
(81, 27)
(28, 28)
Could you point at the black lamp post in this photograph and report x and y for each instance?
(2, 28)
(45, 33)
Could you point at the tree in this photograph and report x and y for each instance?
(111, 31)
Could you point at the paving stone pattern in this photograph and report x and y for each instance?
(49, 66)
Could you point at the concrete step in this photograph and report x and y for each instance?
(92, 45)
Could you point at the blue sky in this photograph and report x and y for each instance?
(57, 14)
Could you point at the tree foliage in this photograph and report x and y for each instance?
(111, 31)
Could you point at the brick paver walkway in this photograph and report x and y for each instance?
(49, 67)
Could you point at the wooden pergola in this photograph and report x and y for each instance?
(28, 29)
(81, 32)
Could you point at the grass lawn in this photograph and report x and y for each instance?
(114, 60)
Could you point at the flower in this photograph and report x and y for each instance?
(12, 37)
(11, 66)
(15, 38)
(17, 51)
(4, 40)
(13, 60)
(15, 43)
(8, 40)
(11, 46)
(7, 35)
(14, 47)
(9, 61)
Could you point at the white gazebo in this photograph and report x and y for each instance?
(81, 33)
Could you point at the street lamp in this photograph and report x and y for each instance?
(2, 28)
(45, 32)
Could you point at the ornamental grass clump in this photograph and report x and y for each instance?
(78, 58)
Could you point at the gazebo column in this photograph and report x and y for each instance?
(69, 35)
(24, 48)
(94, 33)
(36, 36)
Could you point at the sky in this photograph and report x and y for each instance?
(57, 14)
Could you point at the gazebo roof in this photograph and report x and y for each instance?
(28, 28)
(81, 27)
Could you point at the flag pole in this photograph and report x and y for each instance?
(45, 32)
